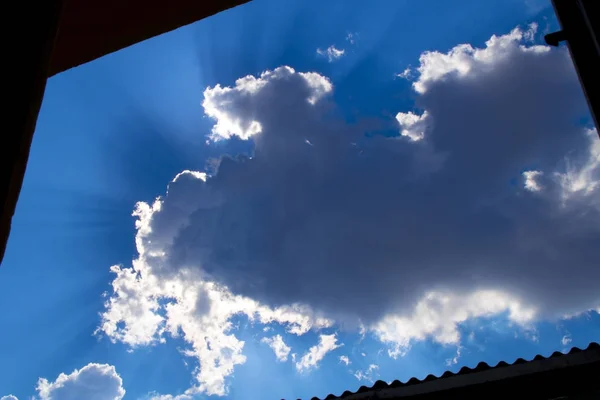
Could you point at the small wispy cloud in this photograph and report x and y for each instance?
(454, 360)
(345, 360)
(278, 346)
(369, 374)
(316, 353)
(531, 180)
(406, 74)
(529, 34)
(351, 37)
(331, 53)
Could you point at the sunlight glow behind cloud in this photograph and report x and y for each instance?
(267, 234)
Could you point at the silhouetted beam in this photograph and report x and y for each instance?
(50, 36)
(580, 23)
(27, 59)
(92, 28)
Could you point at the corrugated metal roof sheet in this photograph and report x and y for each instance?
(482, 373)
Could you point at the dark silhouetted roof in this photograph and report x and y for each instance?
(90, 29)
(559, 375)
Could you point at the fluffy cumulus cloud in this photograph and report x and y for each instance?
(92, 382)
(438, 316)
(467, 62)
(407, 236)
(331, 53)
(413, 125)
(316, 353)
(157, 298)
(9, 397)
(187, 306)
(278, 346)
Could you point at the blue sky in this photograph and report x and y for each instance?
(405, 204)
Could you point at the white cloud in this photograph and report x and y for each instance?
(529, 34)
(412, 125)
(331, 53)
(9, 397)
(531, 182)
(566, 340)
(465, 61)
(315, 354)
(479, 142)
(352, 37)
(362, 331)
(92, 382)
(580, 178)
(532, 334)
(156, 396)
(438, 316)
(198, 311)
(135, 300)
(345, 360)
(370, 374)
(300, 235)
(583, 177)
(228, 105)
(406, 74)
(278, 346)
(454, 360)
(144, 308)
